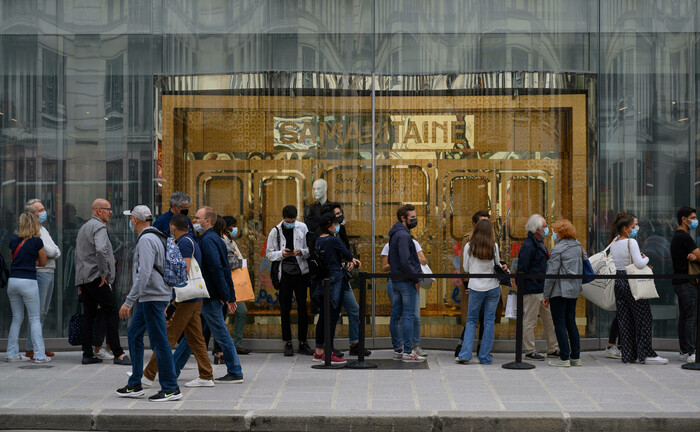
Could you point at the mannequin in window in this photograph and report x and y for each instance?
(313, 212)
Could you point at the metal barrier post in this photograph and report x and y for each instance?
(327, 346)
(696, 364)
(518, 363)
(360, 363)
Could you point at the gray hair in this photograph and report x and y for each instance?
(29, 206)
(179, 198)
(534, 223)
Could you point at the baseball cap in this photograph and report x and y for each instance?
(140, 212)
(329, 218)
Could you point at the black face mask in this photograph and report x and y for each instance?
(412, 223)
(340, 219)
(184, 212)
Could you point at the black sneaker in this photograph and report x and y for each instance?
(305, 349)
(534, 356)
(126, 361)
(288, 349)
(458, 349)
(135, 391)
(229, 378)
(91, 360)
(163, 396)
(338, 353)
(355, 350)
(554, 354)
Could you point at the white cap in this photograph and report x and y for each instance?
(140, 212)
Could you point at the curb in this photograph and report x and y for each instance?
(439, 421)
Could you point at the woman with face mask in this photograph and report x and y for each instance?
(239, 318)
(634, 316)
(566, 257)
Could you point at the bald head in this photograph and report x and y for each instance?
(102, 209)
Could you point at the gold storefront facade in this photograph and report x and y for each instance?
(448, 154)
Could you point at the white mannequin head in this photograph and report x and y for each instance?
(320, 190)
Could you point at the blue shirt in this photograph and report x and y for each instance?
(188, 247)
(24, 264)
(163, 223)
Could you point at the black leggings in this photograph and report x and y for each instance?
(614, 332)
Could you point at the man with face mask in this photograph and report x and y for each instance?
(313, 212)
(44, 275)
(179, 204)
(683, 251)
(403, 259)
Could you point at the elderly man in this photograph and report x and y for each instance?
(94, 275)
(44, 275)
(179, 204)
(532, 259)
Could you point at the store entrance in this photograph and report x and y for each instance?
(249, 156)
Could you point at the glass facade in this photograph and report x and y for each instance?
(576, 109)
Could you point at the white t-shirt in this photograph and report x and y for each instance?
(620, 251)
(385, 249)
(476, 265)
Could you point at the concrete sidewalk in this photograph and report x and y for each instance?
(285, 394)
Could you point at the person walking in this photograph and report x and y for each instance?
(403, 259)
(286, 243)
(684, 251)
(239, 318)
(633, 315)
(153, 295)
(187, 315)
(532, 259)
(44, 274)
(217, 276)
(565, 258)
(179, 204)
(480, 254)
(27, 251)
(332, 252)
(94, 275)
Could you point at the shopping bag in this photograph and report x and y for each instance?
(512, 305)
(601, 292)
(195, 286)
(642, 289)
(427, 281)
(242, 285)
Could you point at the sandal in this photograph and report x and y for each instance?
(218, 357)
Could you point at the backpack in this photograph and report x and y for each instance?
(318, 270)
(174, 270)
(4, 272)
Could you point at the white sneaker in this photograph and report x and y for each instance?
(145, 382)
(683, 357)
(691, 359)
(44, 360)
(104, 354)
(19, 358)
(613, 352)
(418, 350)
(398, 355)
(199, 382)
(655, 360)
(412, 358)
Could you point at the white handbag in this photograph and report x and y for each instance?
(196, 287)
(642, 289)
(427, 281)
(601, 292)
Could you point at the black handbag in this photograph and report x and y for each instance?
(503, 276)
(75, 328)
(275, 267)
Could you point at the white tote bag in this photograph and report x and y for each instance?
(512, 305)
(601, 292)
(196, 287)
(427, 281)
(642, 289)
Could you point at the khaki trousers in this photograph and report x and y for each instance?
(532, 307)
(187, 319)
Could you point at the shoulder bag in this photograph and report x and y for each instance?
(642, 289)
(503, 276)
(195, 287)
(587, 268)
(601, 292)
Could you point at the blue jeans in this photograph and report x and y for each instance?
(477, 299)
(45, 282)
(416, 321)
(24, 292)
(564, 317)
(353, 309)
(151, 316)
(214, 320)
(403, 308)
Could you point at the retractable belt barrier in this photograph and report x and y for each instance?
(519, 279)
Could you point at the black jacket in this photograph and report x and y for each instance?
(403, 257)
(215, 267)
(532, 259)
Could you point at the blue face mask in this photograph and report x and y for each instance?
(634, 232)
(42, 217)
(234, 232)
(555, 238)
(289, 225)
(336, 229)
(693, 224)
(546, 232)
(198, 227)
(131, 227)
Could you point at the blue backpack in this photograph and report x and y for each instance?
(174, 270)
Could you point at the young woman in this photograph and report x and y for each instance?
(634, 316)
(27, 251)
(566, 257)
(480, 255)
(239, 318)
(332, 253)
